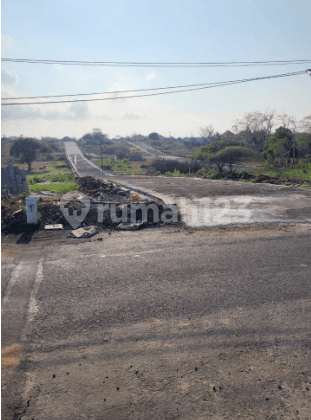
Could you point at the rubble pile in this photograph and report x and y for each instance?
(14, 218)
(96, 188)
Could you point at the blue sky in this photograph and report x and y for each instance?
(155, 31)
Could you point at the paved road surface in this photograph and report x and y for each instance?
(159, 324)
(205, 202)
(152, 152)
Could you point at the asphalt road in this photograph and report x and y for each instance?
(158, 324)
(215, 202)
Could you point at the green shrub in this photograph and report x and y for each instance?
(212, 172)
(23, 195)
(35, 179)
(201, 171)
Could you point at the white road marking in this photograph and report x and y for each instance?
(14, 276)
(33, 307)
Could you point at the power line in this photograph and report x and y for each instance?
(159, 64)
(116, 91)
(211, 85)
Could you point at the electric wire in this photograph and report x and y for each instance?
(157, 64)
(211, 85)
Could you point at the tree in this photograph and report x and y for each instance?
(303, 143)
(154, 136)
(207, 133)
(220, 154)
(288, 121)
(97, 131)
(28, 150)
(279, 145)
(255, 128)
(305, 124)
(96, 138)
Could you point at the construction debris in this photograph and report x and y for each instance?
(84, 232)
(105, 198)
(134, 196)
(53, 227)
(130, 226)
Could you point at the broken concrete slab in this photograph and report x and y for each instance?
(53, 227)
(47, 193)
(84, 232)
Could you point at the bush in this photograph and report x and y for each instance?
(35, 179)
(138, 157)
(171, 166)
(23, 195)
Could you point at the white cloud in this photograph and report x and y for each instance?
(151, 76)
(8, 77)
(7, 92)
(130, 116)
(76, 112)
(7, 43)
(143, 115)
(80, 110)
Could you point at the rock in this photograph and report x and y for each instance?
(134, 196)
(47, 193)
(130, 226)
(84, 232)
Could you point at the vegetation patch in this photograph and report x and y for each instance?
(60, 188)
(114, 165)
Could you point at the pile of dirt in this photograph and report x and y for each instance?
(14, 219)
(95, 187)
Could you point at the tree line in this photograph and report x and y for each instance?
(253, 137)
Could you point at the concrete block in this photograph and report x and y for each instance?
(31, 209)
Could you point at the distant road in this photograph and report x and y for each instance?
(81, 165)
(152, 152)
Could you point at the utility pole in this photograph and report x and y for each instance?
(294, 136)
(101, 158)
